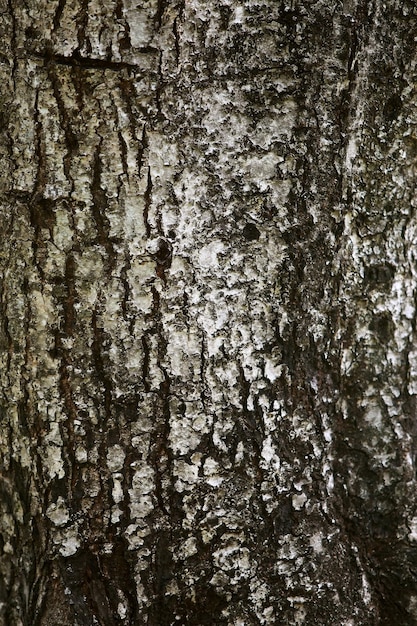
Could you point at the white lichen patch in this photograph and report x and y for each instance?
(117, 490)
(366, 590)
(232, 555)
(412, 605)
(122, 610)
(162, 157)
(272, 370)
(54, 462)
(316, 542)
(58, 512)
(188, 548)
(70, 542)
(116, 514)
(139, 506)
(184, 344)
(412, 535)
(141, 22)
(184, 437)
(269, 454)
(143, 478)
(115, 458)
(298, 501)
(240, 453)
(211, 471)
(81, 454)
(373, 416)
(135, 535)
(208, 256)
(187, 475)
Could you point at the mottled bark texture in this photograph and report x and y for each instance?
(208, 312)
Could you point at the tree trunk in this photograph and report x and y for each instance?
(208, 313)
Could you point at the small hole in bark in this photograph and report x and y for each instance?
(124, 42)
(379, 276)
(43, 213)
(250, 232)
(382, 325)
(172, 234)
(160, 250)
(164, 252)
(31, 33)
(392, 108)
(3, 120)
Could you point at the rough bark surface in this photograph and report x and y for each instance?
(208, 313)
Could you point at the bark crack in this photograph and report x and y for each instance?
(176, 40)
(13, 41)
(98, 338)
(70, 137)
(89, 63)
(123, 154)
(36, 203)
(148, 202)
(143, 145)
(58, 14)
(145, 366)
(162, 4)
(99, 208)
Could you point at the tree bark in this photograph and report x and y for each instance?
(208, 313)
